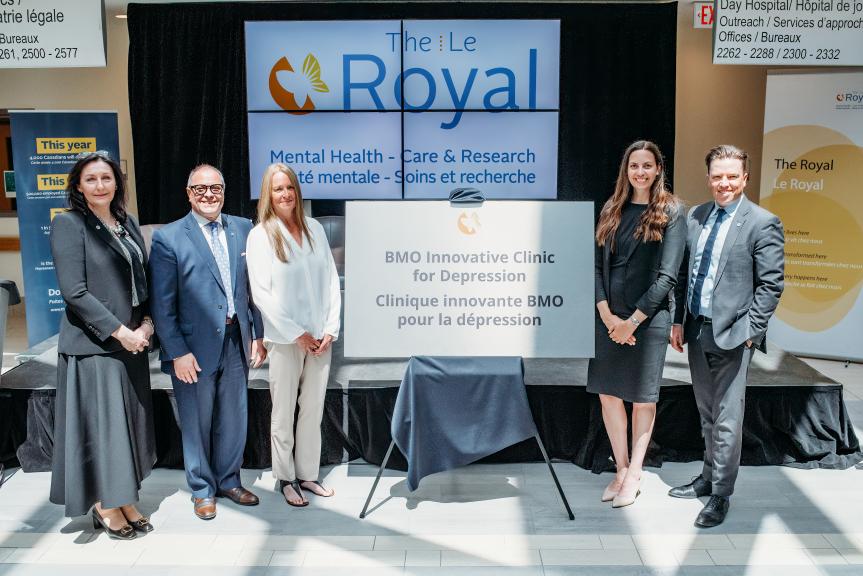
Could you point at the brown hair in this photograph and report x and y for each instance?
(724, 151)
(75, 197)
(267, 215)
(660, 207)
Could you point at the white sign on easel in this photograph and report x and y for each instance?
(499, 279)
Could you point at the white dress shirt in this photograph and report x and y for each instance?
(297, 296)
(203, 224)
(710, 280)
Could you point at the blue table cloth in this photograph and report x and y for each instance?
(451, 411)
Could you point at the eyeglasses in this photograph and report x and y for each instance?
(97, 153)
(200, 190)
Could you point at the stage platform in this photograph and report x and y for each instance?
(794, 414)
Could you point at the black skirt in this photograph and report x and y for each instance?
(104, 443)
(632, 373)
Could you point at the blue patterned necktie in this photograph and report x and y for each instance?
(704, 265)
(223, 264)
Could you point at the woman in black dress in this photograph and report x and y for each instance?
(103, 434)
(640, 239)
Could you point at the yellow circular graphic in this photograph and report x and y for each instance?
(815, 191)
(468, 225)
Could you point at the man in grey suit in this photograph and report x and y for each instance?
(729, 285)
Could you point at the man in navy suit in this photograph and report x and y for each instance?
(210, 332)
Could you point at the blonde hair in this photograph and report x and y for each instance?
(267, 216)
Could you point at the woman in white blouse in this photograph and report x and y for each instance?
(295, 285)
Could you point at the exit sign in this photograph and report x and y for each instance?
(702, 15)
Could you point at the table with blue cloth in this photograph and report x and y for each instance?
(451, 411)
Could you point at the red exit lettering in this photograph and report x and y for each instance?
(706, 15)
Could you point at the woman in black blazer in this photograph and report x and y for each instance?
(640, 238)
(103, 433)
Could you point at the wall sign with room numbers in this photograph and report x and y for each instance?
(52, 33)
(788, 32)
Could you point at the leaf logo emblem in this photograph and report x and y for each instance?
(288, 87)
(468, 225)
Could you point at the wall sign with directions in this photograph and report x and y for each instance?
(52, 33)
(788, 32)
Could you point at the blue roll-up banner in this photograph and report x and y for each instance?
(45, 146)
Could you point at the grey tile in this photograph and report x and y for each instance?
(619, 557)
(334, 571)
(609, 571)
(422, 558)
(753, 571)
(194, 571)
(476, 571)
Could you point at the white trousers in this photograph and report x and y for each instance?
(297, 378)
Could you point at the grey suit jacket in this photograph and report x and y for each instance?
(749, 280)
(95, 280)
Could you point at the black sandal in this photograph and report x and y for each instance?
(296, 487)
(322, 488)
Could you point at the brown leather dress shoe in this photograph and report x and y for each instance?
(205, 508)
(240, 495)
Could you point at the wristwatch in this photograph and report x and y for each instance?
(635, 321)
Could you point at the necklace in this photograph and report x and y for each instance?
(116, 228)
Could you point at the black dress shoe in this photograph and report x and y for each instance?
(713, 513)
(240, 495)
(696, 489)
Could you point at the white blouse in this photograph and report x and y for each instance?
(297, 296)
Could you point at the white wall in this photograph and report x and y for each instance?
(10, 262)
(72, 89)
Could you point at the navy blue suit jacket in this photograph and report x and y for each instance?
(188, 302)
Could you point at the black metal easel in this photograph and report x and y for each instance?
(541, 449)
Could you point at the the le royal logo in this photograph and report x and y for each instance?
(468, 225)
(850, 100)
(289, 88)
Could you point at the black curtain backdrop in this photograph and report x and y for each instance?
(791, 425)
(187, 88)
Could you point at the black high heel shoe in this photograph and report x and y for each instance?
(126, 532)
(141, 525)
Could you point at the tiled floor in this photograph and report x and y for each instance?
(482, 519)
(503, 518)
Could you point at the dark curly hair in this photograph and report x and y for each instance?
(75, 197)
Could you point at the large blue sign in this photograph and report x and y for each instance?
(45, 146)
(456, 71)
